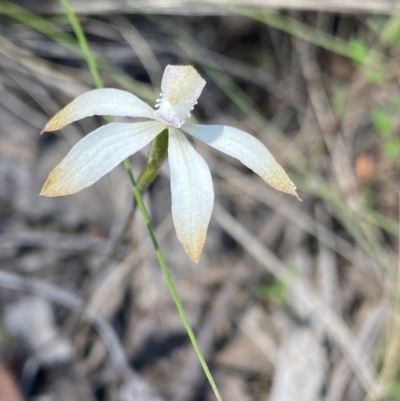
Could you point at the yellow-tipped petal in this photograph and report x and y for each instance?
(278, 179)
(195, 250)
(100, 102)
(249, 150)
(60, 182)
(192, 193)
(97, 154)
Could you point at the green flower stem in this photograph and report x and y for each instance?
(158, 154)
(83, 43)
(169, 279)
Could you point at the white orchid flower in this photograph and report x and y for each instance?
(191, 185)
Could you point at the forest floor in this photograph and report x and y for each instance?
(290, 300)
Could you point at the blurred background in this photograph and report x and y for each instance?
(291, 300)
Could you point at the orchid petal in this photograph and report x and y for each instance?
(192, 193)
(244, 147)
(97, 154)
(100, 102)
(181, 86)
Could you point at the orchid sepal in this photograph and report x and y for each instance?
(192, 193)
(247, 149)
(100, 102)
(97, 154)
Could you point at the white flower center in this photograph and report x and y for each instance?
(181, 86)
